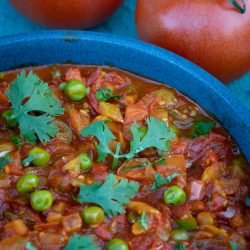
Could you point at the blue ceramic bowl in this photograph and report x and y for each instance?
(138, 57)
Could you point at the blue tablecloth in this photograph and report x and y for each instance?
(121, 23)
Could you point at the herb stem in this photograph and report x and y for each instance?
(241, 8)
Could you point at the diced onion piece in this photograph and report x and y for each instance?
(18, 227)
(205, 218)
(137, 229)
(100, 118)
(54, 217)
(64, 132)
(111, 111)
(140, 207)
(166, 97)
(73, 166)
(214, 230)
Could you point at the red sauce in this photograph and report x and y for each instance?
(211, 169)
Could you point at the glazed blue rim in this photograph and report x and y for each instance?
(92, 48)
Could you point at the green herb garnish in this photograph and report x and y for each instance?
(81, 242)
(16, 140)
(30, 246)
(247, 201)
(33, 107)
(161, 161)
(158, 136)
(104, 95)
(111, 195)
(160, 180)
(179, 246)
(143, 221)
(234, 245)
(26, 162)
(202, 128)
(4, 159)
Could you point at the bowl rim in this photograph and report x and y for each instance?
(239, 114)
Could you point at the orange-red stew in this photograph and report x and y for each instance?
(98, 158)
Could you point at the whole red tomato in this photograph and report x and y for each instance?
(70, 14)
(211, 33)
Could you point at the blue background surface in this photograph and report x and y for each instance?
(121, 23)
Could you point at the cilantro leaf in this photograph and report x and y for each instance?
(4, 159)
(158, 136)
(81, 242)
(30, 246)
(179, 246)
(29, 95)
(101, 131)
(247, 201)
(143, 221)
(104, 95)
(202, 128)
(160, 180)
(234, 245)
(111, 195)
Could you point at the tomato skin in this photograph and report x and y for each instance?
(212, 34)
(73, 14)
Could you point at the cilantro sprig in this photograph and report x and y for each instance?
(234, 245)
(111, 195)
(179, 246)
(158, 135)
(81, 242)
(30, 246)
(34, 107)
(202, 128)
(161, 180)
(104, 95)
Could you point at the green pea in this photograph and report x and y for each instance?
(85, 161)
(41, 200)
(27, 183)
(174, 195)
(75, 90)
(143, 131)
(117, 244)
(93, 215)
(39, 156)
(10, 121)
(179, 235)
(188, 223)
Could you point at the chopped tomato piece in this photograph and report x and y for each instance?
(137, 169)
(3, 98)
(73, 74)
(72, 223)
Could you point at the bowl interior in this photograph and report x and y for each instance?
(131, 55)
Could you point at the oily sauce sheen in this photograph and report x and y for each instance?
(200, 201)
